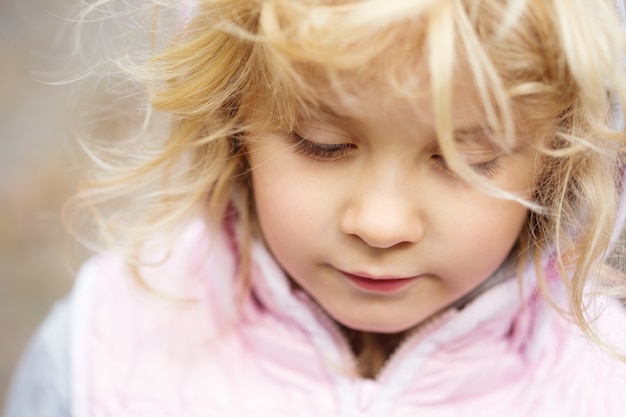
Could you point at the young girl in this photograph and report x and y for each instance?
(359, 208)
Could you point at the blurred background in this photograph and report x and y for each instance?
(39, 161)
(39, 166)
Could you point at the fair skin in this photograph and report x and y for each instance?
(367, 197)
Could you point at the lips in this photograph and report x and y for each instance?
(379, 284)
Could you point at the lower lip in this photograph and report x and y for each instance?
(380, 285)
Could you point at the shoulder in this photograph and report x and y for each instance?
(579, 371)
(187, 279)
(41, 384)
(194, 264)
(562, 371)
(131, 323)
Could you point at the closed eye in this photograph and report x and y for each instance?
(320, 151)
(487, 169)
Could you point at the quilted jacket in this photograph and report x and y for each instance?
(179, 343)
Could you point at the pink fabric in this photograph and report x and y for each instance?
(186, 10)
(142, 354)
(136, 353)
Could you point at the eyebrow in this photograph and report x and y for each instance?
(463, 135)
(473, 134)
(329, 111)
(477, 135)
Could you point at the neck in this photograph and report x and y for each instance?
(372, 350)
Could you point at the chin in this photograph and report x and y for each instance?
(379, 326)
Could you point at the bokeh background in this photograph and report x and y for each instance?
(39, 165)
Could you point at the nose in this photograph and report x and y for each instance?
(383, 215)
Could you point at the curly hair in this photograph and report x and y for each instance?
(549, 67)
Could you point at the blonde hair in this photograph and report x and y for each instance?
(235, 66)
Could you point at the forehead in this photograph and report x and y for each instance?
(354, 99)
(378, 104)
(399, 80)
(349, 62)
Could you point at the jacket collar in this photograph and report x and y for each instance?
(504, 313)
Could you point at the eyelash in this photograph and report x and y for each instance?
(322, 151)
(333, 151)
(487, 169)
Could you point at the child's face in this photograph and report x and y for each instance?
(366, 218)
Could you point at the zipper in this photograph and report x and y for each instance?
(340, 339)
(366, 391)
(429, 326)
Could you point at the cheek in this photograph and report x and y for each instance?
(292, 192)
(481, 236)
(276, 205)
(288, 209)
(290, 221)
(499, 220)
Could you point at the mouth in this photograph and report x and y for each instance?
(379, 284)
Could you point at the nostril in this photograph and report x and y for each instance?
(382, 230)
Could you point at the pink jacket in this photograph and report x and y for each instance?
(138, 353)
